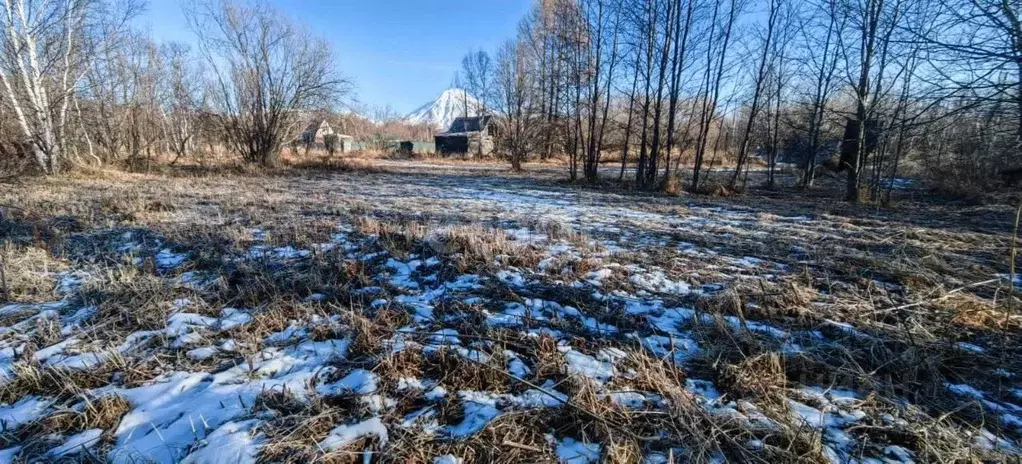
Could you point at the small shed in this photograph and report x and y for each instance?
(314, 135)
(347, 144)
(468, 136)
(339, 143)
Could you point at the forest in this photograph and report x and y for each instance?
(871, 89)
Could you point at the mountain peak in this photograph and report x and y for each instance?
(444, 109)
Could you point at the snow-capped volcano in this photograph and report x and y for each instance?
(442, 111)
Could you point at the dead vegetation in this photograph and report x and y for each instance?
(28, 274)
(834, 303)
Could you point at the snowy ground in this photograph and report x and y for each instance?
(463, 318)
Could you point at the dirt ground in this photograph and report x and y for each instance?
(410, 312)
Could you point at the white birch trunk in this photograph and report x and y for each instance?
(40, 98)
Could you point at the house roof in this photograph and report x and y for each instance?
(452, 134)
(318, 128)
(469, 124)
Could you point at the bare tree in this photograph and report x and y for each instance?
(516, 103)
(981, 46)
(683, 30)
(603, 22)
(819, 66)
(758, 83)
(129, 92)
(781, 75)
(632, 96)
(265, 71)
(821, 60)
(540, 34)
(866, 59)
(477, 67)
(716, 55)
(648, 25)
(646, 174)
(184, 98)
(45, 47)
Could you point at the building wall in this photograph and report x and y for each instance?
(452, 144)
(423, 147)
(480, 144)
(470, 144)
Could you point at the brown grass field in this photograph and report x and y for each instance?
(410, 311)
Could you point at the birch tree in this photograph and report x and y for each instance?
(45, 48)
(184, 99)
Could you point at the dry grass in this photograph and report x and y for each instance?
(28, 274)
(104, 413)
(297, 425)
(370, 331)
(850, 258)
(31, 379)
(470, 248)
(130, 299)
(760, 378)
(511, 438)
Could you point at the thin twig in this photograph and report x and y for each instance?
(935, 300)
(521, 446)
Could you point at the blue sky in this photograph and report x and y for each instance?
(400, 53)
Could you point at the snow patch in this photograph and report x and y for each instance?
(344, 434)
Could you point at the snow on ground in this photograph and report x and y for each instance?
(573, 452)
(210, 413)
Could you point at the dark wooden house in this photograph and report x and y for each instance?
(467, 136)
